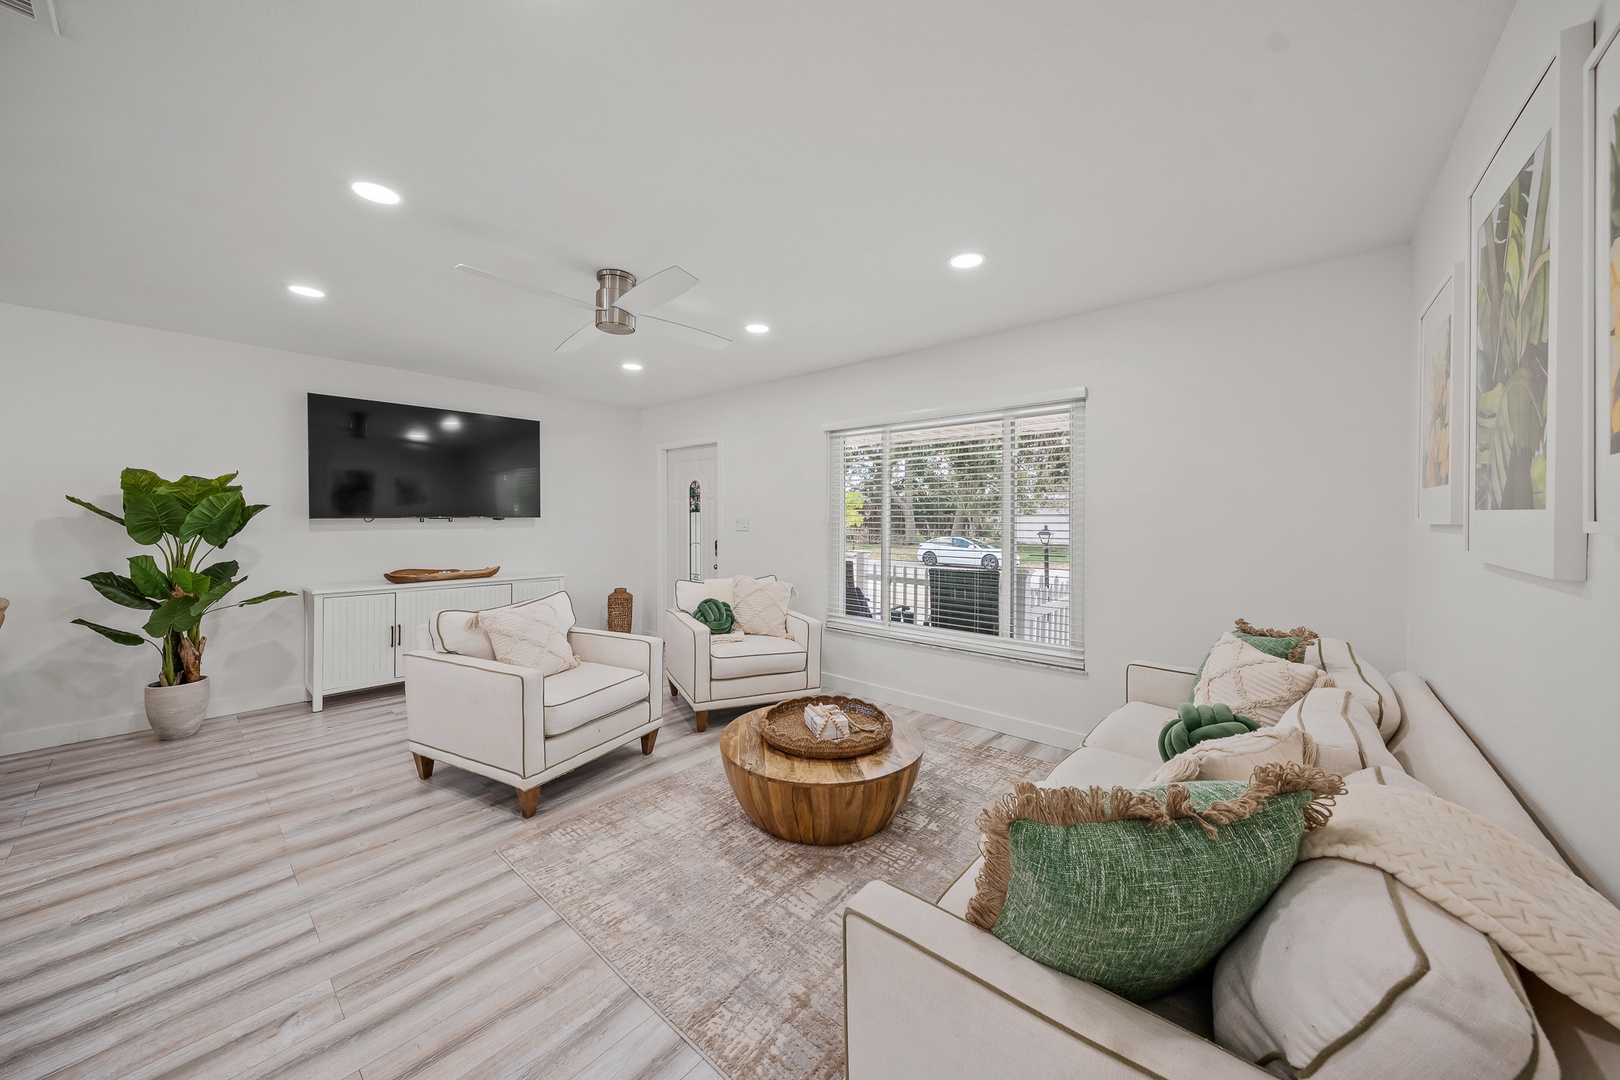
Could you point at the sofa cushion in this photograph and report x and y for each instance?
(1259, 686)
(1351, 672)
(589, 691)
(1132, 729)
(456, 630)
(1237, 756)
(760, 606)
(1346, 739)
(1138, 891)
(1346, 973)
(532, 635)
(755, 655)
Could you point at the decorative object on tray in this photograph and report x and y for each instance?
(789, 727)
(1526, 230)
(4, 603)
(179, 518)
(412, 576)
(621, 610)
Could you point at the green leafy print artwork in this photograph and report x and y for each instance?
(1510, 383)
(1614, 283)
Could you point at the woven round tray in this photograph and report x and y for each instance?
(869, 728)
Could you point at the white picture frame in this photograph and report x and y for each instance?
(1527, 469)
(1603, 353)
(1443, 414)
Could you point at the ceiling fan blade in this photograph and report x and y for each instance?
(525, 286)
(681, 332)
(579, 338)
(661, 288)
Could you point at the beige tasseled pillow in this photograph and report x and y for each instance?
(759, 606)
(1236, 756)
(532, 635)
(1252, 683)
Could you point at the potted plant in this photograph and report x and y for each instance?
(186, 520)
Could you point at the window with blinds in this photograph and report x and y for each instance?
(963, 532)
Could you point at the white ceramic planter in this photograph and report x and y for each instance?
(176, 712)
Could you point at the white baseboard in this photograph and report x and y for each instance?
(40, 738)
(1007, 725)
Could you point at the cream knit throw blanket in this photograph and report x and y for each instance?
(1542, 915)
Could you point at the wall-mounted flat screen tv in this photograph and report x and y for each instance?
(375, 459)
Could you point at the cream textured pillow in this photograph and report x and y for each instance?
(1236, 756)
(1346, 738)
(1252, 683)
(1350, 671)
(759, 606)
(532, 635)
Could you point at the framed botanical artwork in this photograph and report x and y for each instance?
(1442, 403)
(1604, 356)
(1526, 316)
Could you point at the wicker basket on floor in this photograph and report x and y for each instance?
(620, 607)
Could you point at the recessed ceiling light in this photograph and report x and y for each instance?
(757, 328)
(631, 365)
(306, 290)
(967, 260)
(450, 423)
(375, 192)
(417, 435)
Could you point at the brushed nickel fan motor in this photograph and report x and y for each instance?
(610, 285)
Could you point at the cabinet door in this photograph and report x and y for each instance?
(535, 588)
(417, 606)
(357, 641)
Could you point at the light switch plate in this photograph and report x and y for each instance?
(742, 525)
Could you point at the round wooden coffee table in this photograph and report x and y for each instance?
(817, 802)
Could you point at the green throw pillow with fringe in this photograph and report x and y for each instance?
(715, 614)
(1287, 645)
(1138, 890)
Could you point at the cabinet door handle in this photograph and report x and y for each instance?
(393, 635)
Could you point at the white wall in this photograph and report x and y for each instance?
(1246, 456)
(1531, 667)
(82, 398)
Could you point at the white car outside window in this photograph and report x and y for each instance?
(958, 551)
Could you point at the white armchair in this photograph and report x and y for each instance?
(516, 725)
(757, 670)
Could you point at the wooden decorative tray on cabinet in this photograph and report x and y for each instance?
(412, 576)
(783, 728)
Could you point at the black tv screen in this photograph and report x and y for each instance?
(375, 459)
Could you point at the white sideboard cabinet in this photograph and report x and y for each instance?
(356, 636)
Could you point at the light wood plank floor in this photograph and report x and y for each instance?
(279, 896)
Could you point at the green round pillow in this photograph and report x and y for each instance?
(1197, 723)
(715, 614)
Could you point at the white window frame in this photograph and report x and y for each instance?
(1070, 657)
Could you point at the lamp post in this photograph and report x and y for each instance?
(1045, 537)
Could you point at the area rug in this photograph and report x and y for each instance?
(736, 937)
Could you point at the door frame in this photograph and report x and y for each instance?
(666, 586)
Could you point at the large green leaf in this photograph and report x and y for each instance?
(139, 480)
(222, 572)
(277, 595)
(141, 519)
(96, 509)
(172, 616)
(145, 573)
(193, 583)
(249, 513)
(123, 637)
(215, 519)
(120, 590)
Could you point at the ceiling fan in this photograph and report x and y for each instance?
(620, 302)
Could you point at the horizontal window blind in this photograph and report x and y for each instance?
(963, 532)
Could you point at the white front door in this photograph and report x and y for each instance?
(692, 515)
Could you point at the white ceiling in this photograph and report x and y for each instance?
(174, 163)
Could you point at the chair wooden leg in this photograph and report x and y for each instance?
(528, 801)
(702, 719)
(647, 741)
(674, 691)
(424, 766)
